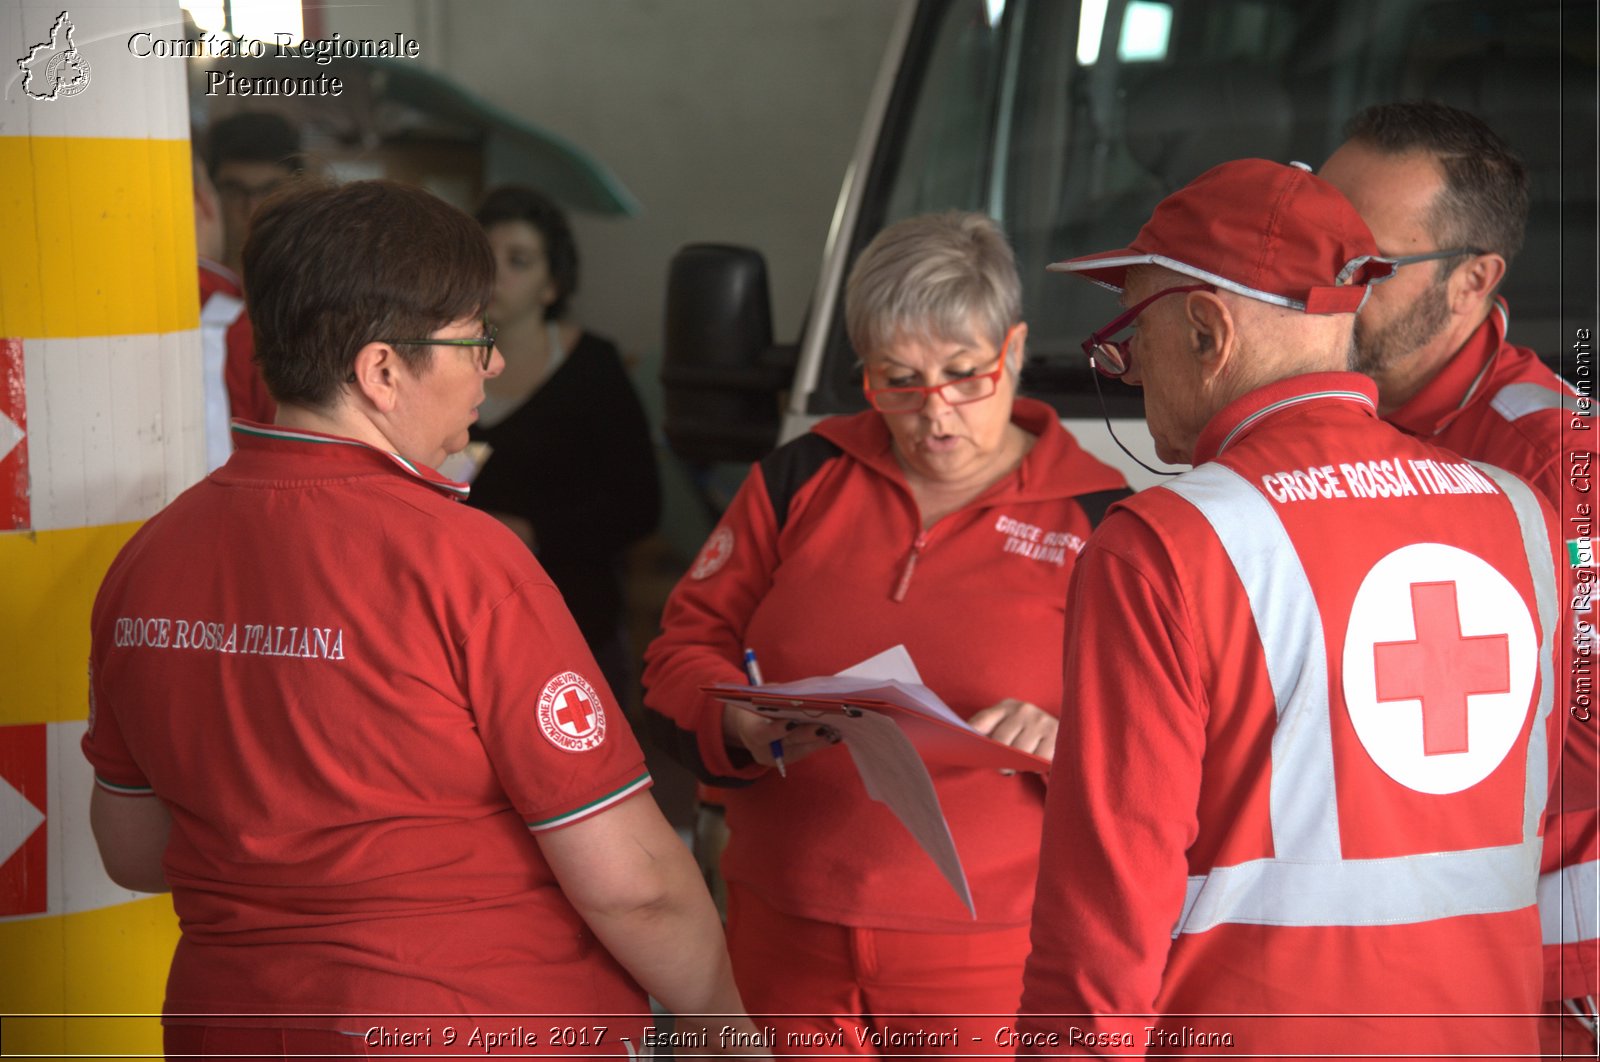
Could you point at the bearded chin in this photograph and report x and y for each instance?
(1383, 348)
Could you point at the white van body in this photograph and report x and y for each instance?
(1068, 121)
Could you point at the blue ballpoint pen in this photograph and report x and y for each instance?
(752, 671)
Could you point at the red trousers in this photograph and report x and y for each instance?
(827, 989)
(1562, 1035)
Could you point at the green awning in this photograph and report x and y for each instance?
(514, 150)
(392, 100)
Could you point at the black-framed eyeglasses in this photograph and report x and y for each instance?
(1114, 357)
(957, 392)
(484, 342)
(1431, 256)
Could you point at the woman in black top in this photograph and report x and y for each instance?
(571, 468)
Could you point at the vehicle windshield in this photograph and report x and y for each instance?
(1069, 121)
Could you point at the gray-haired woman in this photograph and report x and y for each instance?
(947, 519)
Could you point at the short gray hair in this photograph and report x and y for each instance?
(930, 277)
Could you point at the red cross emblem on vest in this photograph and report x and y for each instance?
(1441, 667)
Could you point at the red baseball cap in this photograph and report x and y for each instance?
(1267, 231)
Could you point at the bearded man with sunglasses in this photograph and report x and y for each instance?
(946, 518)
(1310, 681)
(349, 722)
(1425, 175)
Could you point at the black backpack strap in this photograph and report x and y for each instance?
(1095, 505)
(784, 471)
(789, 467)
(684, 746)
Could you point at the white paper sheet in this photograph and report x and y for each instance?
(889, 765)
(890, 676)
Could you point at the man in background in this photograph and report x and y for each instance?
(249, 156)
(232, 383)
(1436, 182)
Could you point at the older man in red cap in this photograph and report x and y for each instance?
(1311, 679)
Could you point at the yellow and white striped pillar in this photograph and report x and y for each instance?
(100, 426)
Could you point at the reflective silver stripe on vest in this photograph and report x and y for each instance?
(1363, 892)
(1307, 883)
(1305, 817)
(1514, 401)
(1542, 566)
(1569, 904)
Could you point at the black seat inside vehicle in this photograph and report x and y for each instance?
(1183, 120)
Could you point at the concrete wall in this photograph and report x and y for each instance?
(730, 120)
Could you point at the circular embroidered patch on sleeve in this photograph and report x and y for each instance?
(570, 714)
(713, 555)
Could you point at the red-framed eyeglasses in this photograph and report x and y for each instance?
(1113, 357)
(957, 392)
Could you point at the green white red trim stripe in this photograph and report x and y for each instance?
(594, 806)
(426, 475)
(123, 790)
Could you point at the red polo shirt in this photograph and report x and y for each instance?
(356, 697)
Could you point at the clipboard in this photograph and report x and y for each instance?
(893, 727)
(937, 740)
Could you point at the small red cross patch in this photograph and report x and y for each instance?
(571, 715)
(713, 555)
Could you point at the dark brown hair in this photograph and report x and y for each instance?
(1484, 202)
(516, 203)
(253, 136)
(330, 268)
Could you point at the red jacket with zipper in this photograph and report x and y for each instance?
(822, 561)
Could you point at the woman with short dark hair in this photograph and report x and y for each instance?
(349, 722)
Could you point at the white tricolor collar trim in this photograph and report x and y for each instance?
(421, 472)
